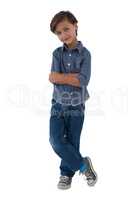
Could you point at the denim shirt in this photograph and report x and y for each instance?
(74, 60)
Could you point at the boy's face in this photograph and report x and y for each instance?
(66, 32)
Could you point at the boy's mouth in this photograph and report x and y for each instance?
(67, 40)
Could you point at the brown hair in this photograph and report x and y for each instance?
(59, 17)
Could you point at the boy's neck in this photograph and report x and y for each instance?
(73, 44)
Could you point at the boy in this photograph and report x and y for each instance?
(70, 74)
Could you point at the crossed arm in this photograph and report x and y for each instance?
(62, 78)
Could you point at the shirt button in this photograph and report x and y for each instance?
(70, 54)
(68, 64)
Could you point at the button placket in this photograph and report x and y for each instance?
(69, 60)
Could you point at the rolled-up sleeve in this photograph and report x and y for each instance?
(85, 73)
(55, 65)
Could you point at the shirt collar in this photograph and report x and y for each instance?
(78, 46)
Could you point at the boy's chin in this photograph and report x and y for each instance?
(68, 43)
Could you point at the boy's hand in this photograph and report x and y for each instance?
(63, 78)
(54, 76)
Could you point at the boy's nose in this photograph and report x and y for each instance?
(63, 37)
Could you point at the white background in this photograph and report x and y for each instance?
(28, 165)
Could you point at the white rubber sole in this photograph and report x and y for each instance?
(61, 187)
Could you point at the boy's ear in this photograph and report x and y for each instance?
(76, 26)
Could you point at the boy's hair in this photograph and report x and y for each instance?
(59, 17)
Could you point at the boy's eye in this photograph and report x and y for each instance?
(58, 33)
(66, 29)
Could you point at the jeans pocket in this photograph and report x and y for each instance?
(56, 109)
(53, 101)
(83, 106)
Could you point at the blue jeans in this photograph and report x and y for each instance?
(66, 123)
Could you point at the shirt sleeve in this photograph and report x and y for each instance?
(85, 73)
(55, 66)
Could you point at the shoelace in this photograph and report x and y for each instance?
(64, 179)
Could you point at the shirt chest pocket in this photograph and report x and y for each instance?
(77, 65)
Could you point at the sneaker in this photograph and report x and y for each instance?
(90, 174)
(64, 182)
